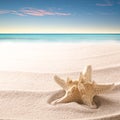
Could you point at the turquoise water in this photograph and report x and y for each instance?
(59, 37)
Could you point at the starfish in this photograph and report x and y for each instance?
(82, 90)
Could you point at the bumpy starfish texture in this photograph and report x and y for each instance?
(82, 90)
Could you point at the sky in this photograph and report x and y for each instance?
(59, 16)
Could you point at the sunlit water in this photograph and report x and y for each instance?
(59, 37)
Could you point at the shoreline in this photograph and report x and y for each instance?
(56, 57)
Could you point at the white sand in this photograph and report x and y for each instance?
(27, 87)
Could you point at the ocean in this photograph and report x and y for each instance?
(59, 37)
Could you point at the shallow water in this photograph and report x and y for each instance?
(59, 37)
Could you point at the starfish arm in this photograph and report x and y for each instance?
(67, 97)
(87, 100)
(87, 73)
(64, 99)
(98, 89)
(60, 82)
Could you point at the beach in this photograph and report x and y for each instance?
(27, 87)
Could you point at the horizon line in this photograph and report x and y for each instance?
(63, 33)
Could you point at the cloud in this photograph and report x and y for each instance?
(10, 12)
(36, 12)
(105, 4)
(41, 12)
(4, 11)
(62, 14)
(16, 13)
(33, 12)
